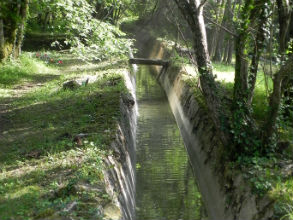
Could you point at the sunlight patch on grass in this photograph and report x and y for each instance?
(224, 72)
(26, 68)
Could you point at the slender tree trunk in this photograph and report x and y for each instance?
(271, 39)
(258, 48)
(284, 21)
(230, 52)
(215, 30)
(212, 44)
(275, 100)
(226, 51)
(46, 20)
(17, 15)
(219, 48)
(192, 11)
(241, 70)
(285, 71)
(243, 126)
(20, 33)
(2, 41)
(210, 39)
(220, 41)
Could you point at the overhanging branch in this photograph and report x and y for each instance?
(220, 26)
(202, 4)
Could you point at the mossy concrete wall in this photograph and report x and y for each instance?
(120, 175)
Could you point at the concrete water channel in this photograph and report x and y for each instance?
(165, 185)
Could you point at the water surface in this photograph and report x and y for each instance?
(166, 188)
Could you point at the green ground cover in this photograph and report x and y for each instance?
(46, 169)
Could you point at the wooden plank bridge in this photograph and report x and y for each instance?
(144, 61)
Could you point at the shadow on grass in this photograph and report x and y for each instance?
(36, 195)
(50, 126)
(19, 205)
(90, 67)
(11, 79)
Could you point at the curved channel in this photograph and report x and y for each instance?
(165, 185)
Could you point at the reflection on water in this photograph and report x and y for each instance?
(165, 184)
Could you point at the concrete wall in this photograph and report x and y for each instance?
(120, 175)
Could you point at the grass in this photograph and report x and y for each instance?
(45, 168)
(263, 87)
(27, 68)
(283, 193)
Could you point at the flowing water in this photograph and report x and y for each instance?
(165, 185)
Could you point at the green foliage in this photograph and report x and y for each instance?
(106, 41)
(178, 59)
(89, 38)
(283, 193)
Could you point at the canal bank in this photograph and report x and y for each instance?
(225, 192)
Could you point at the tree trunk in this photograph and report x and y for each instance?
(2, 40)
(241, 70)
(215, 30)
(12, 30)
(243, 126)
(230, 37)
(211, 40)
(46, 20)
(275, 100)
(257, 51)
(17, 16)
(149, 61)
(192, 11)
(226, 51)
(220, 41)
(219, 48)
(230, 52)
(20, 32)
(284, 21)
(285, 71)
(212, 45)
(9, 40)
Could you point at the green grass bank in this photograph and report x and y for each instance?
(54, 140)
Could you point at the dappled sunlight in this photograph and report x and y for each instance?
(62, 160)
(224, 76)
(23, 191)
(224, 73)
(190, 70)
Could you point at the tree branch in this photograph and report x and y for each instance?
(181, 33)
(202, 4)
(220, 26)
